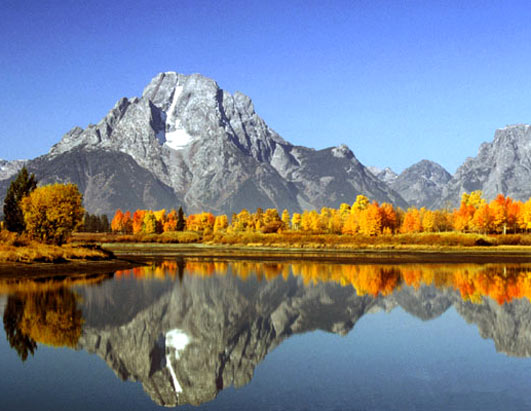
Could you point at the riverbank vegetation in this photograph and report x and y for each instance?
(38, 222)
(476, 222)
(19, 248)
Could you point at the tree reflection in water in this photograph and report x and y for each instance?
(45, 313)
(502, 283)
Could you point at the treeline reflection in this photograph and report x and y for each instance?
(501, 283)
(45, 312)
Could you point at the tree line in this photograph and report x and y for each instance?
(475, 214)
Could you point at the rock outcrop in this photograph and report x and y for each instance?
(501, 167)
(421, 184)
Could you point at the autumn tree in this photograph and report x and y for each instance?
(150, 222)
(335, 223)
(524, 219)
(23, 185)
(117, 221)
(389, 218)
(296, 221)
(271, 221)
(221, 222)
(462, 217)
(52, 212)
(170, 221)
(427, 220)
(127, 223)
(241, 221)
(286, 218)
(370, 220)
(412, 221)
(138, 221)
(483, 220)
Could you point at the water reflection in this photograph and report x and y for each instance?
(186, 329)
(45, 312)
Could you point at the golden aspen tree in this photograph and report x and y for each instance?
(525, 216)
(483, 219)
(315, 223)
(412, 222)
(335, 223)
(150, 222)
(350, 225)
(306, 223)
(116, 223)
(52, 212)
(286, 219)
(389, 218)
(428, 220)
(127, 223)
(138, 221)
(221, 222)
(296, 221)
(170, 221)
(344, 210)
(370, 222)
(361, 203)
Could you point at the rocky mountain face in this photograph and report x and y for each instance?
(502, 166)
(10, 168)
(387, 175)
(421, 184)
(186, 141)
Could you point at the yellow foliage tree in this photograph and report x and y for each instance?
(52, 212)
(286, 219)
(296, 221)
(221, 223)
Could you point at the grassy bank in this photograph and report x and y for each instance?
(298, 240)
(16, 248)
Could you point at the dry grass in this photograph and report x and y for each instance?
(177, 237)
(20, 249)
(301, 240)
(307, 240)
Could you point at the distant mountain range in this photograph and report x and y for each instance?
(186, 142)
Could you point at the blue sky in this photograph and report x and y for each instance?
(397, 81)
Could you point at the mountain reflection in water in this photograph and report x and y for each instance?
(188, 328)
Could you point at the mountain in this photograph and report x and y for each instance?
(10, 168)
(387, 175)
(502, 166)
(186, 141)
(421, 184)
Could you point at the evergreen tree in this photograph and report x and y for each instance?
(181, 223)
(19, 188)
(105, 225)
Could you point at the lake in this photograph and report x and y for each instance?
(226, 335)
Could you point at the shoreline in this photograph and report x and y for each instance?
(72, 269)
(130, 255)
(407, 255)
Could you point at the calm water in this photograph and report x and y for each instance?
(248, 335)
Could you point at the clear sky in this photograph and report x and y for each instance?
(397, 81)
